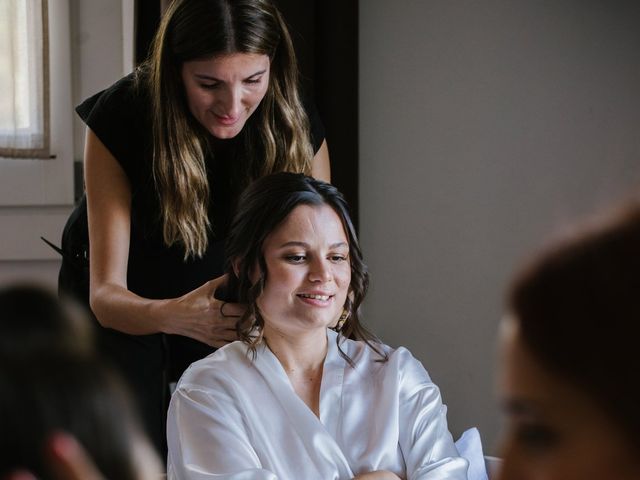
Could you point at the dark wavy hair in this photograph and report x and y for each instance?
(263, 206)
(578, 309)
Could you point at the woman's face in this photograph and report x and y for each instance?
(224, 91)
(308, 272)
(555, 431)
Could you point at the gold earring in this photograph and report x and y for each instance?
(343, 318)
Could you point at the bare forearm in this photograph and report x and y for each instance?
(118, 308)
(197, 314)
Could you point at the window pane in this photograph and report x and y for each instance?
(24, 103)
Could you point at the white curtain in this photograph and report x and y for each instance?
(24, 79)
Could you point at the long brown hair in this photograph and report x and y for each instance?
(275, 139)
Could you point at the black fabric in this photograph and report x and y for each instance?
(73, 278)
(120, 118)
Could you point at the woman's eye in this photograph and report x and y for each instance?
(337, 258)
(295, 258)
(253, 81)
(209, 86)
(536, 437)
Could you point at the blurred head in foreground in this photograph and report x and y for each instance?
(52, 381)
(570, 366)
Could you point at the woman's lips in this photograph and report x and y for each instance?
(314, 296)
(225, 120)
(314, 299)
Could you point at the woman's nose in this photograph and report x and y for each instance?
(319, 271)
(231, 102)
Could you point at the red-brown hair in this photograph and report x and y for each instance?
(578, 308)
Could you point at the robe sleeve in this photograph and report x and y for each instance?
(426, 444)
(207, 438)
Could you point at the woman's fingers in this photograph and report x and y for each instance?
(231, 310)
(216, 336)
(208, 319)
(213, 285)
(221, 337)
(69, 460)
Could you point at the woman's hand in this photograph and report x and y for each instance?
(377, 475)
(69, 460)
(201, 316)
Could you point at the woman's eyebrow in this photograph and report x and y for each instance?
(204, 76)
(522, 407)
(295, 243)
(261, 72)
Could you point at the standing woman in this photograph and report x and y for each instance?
(168, 150)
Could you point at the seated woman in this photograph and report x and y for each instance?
(296, 398)
(570, 359)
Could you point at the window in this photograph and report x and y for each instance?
(24, 79)
(42, 176)
(36, 190)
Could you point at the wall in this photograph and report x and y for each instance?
(96, 35)
(97, 38)
(484, 126)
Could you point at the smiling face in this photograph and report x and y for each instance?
(308, 272)
(554, 430)
(223, 92)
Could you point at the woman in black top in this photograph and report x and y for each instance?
(168, 150)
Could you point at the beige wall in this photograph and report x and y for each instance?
(96, 38)
(483, 127)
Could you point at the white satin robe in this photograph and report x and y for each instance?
(238, 419)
